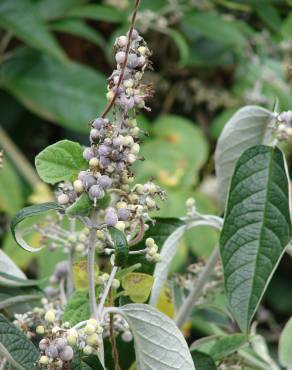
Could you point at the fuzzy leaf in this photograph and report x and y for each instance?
(159, 344)
(81, 207)
(203, 361)
(285, 345)
(77, 309)
(246, 128)
(60, 161)
(26, 212)
(15, 346)
(256, 230)
(120, 245)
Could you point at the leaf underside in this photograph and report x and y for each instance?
(256, 229)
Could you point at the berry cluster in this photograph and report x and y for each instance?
(120, 326)
(284, 127)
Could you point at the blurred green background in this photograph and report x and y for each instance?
(210, 57)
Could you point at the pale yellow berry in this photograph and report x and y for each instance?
(116, 283)
(139, 189)
(78, 186)
(150, 202)
(142, 50)
(50, 316)
(40, 330)
(100, 235)
(63, 199)
(135, 148)
(156, 257)
(80, 248)
(72, 238)
(44, 360)
(99, 329)
(190, 202)
(132, 123)
(128, 83)
(93, 163)
(92, 339)
(150, 242)
(82, 237)
(109, 95)
(89, 329)
(93, 322)
(121, 205)
(120, 225)
(87, 350)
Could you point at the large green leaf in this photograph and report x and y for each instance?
(285, 345)
(202, 361)
(26, 212)
(98, 12)
(256, 228)
(247, 127)
(21, 18)
(78, 28)
(60, 161)
(159, 344)
(11, 198)
(219, 347)
(77, 309)
(213, 26)
(120, 245)
(52, 9)
(175, 154)
(70, 95)
(15, 346)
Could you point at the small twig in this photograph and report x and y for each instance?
(70, 283)
(5, 41)
(196, 293)
(106, 290)
(90, 269)
(133, 20)
(140, 234)
(62, 291)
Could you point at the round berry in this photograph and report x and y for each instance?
(94, 134)
(60, 343)
(122, 41)
(81, 175)
(120, 57)
(50, 316)
(44, 360)
(89, 329)
(89, 181)
(127, 336)
(87, 350)
(95, 192)
(111, 217)
(105, 182)
(40, 329)
(88, 153)
(61, 269)
(51, 351)
(93, 163)
(43, 344)
(104, 150)
(92, 339)
(63, 199)
(66, 354)
(78, 186)
(123, 214)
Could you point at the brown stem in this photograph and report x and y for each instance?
(133, 20)
(115, 352)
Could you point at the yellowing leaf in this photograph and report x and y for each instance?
(80, 275)
(137, 286)
(41, 194)
(165, 304)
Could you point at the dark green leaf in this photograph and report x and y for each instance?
(98, 12)
(81, 207)
(256, 229)
(52, 9)
(269, 15)
(30, 212)
(77, 309)
(202, 361)
(120, 245)
(60, 161)
(78, 28)
(14, 345)
(219, 347)
(70, 95)
(13, 281)
(285, 345)
(21, 18)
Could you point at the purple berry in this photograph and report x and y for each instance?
(50, 291)
(98, 123)
(110, 217)
(60, 343)
(104, 161)
(104, 150)
(123, 214)
(51, 351)
(132, 61)
(96, 192)
(94, 134)
(118, 141)
(126, 103)
(120, 57)
(66, 354)
(82, 175)
(135, 34)
(43, 344)
(105, 182)
(88, 153)
(89, 181)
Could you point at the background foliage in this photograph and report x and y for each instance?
(210, 58)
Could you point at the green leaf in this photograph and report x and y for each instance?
(202, 361)
(98, 12)
(219, 347)
(269, 15)
(285, 345)
(81, 207)
(11, 198)
(120, 245)
(213, 26)
(60, 162)
(175, 154)
(26, 212)
(52, 9)
(247, 127)
(77, 309)
(70, 95)
(9, 267)
(78, 28)
(159, 344)
(21, 18)
(256, 230)
(80, 362)
(13, 281)
(80, 275)
(137, 286)
(15, 346)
